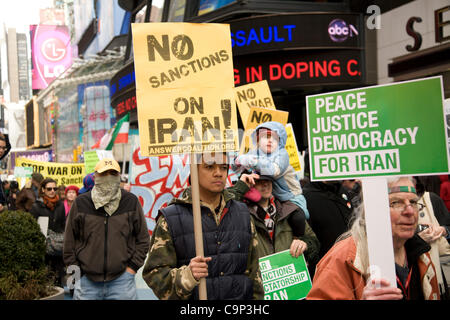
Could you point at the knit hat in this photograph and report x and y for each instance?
(88, 183)
(74, 188)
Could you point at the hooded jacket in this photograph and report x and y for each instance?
(276, 164)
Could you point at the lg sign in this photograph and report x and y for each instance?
(53, 49)
(51, 53)
(339, 31)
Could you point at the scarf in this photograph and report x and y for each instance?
(66, 207)
(50, 202)
(269, 219)
(106, 193)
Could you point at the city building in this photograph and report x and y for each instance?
(299, 47)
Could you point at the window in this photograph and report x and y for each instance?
(176, 10)
(211, 5)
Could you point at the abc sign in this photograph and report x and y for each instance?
(339, 31)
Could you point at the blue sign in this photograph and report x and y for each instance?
(262, 35)
(308, 31)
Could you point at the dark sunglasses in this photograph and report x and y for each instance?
(50, 189)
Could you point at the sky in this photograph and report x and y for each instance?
(20, 14)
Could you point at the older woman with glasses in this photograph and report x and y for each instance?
(48, 206)
(342, 274)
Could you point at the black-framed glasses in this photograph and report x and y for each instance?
(50, 189)
(401, 206)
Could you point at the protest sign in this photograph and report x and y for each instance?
(257, 116)
(90, 160)
(256, 94)
(62, 173)
(189, 120)
(181, 55)
(284, 277)
(292, 150)
(375, 132)
(183, 104)
(93, 156)
(185, 97)
(378, 131)
(22, 174)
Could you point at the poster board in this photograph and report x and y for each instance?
(380, 130)
(256, 94)
(284, 277)
(184, 88)
(257, 116)
(63, 173)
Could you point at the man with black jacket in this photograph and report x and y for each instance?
(330, 210)
(106, 236)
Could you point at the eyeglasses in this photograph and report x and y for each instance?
(401, 206)
(50, 189)
(4, 148)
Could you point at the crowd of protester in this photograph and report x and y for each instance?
(324, 220)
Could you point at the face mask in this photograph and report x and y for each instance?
(106, 193)
(107, 184)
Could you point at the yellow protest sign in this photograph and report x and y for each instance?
(256, 94)
(292, 150)
(183, 123)
(184, 88)
(63, 173)
(180, 55)
(256, 117)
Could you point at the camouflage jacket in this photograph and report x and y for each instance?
(161, 272)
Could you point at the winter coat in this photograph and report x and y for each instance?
(445, 190)
(439, 247)
(282, 237)
(103, 246)
(227, 244)
(56, 221)
(167, 269)
(330, 211)
(338, 275)
(286, 185)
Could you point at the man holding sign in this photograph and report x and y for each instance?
(342, 273)
(230, 265)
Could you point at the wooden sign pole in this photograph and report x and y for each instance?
(198, 233)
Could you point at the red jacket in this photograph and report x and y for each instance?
(338, 275)
(445, 190)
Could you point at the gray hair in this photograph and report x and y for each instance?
(357, 229)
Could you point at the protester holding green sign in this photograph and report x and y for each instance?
(343, 272)
(275, 224)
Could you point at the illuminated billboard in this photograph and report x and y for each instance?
(51, 53)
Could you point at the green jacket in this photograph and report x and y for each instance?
(161, 272)
(283, 236)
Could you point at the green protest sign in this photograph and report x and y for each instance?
(92, 157)
(90, 160)
(23, 172)
(392, 129)
(284, 277)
